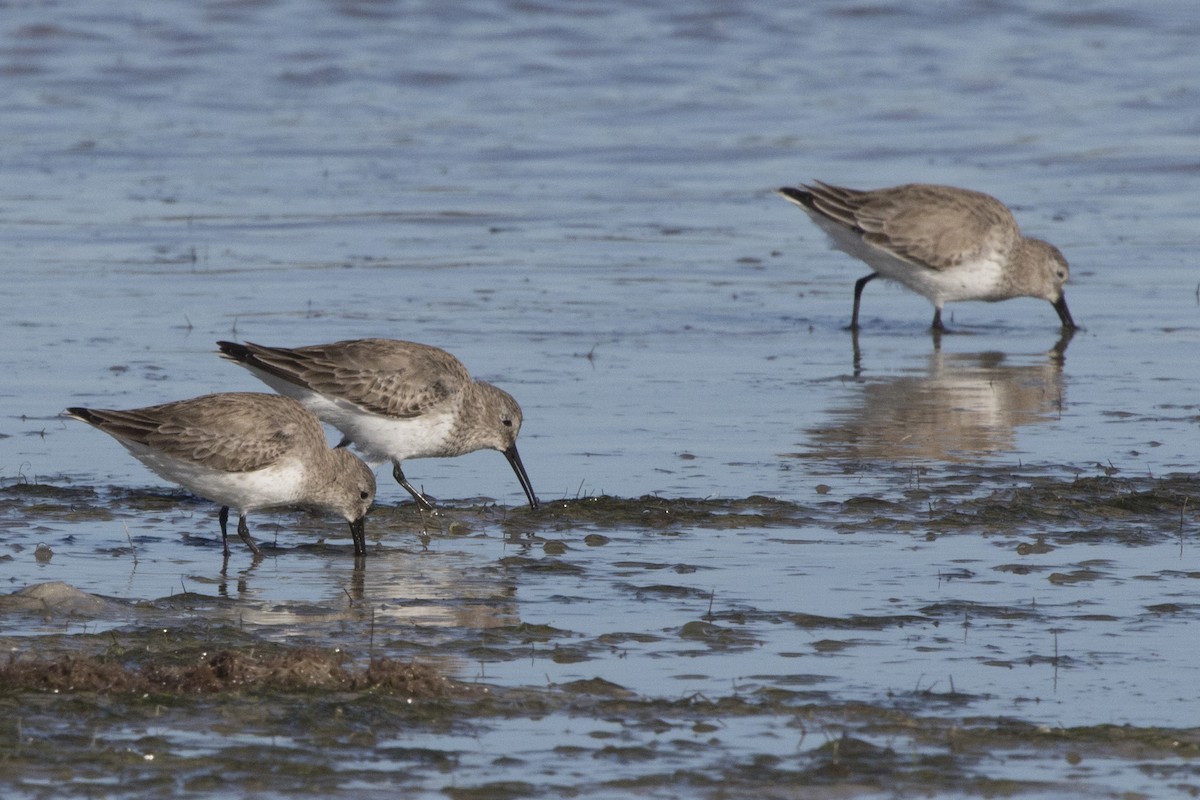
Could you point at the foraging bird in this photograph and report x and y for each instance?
(944, 243)
(246, 451)
(393, 400)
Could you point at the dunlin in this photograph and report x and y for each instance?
(393, 400)
(247, 452)
(944, 243)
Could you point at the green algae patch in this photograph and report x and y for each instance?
(495, 790)
(24, 490)
(1128, 510)
(596, 687)
(1075, 576)
(852, 622)
(655, 513)
(717, 637)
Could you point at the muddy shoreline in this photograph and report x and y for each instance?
(181, 693)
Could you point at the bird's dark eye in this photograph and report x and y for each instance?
(364, 495)
(506, 422)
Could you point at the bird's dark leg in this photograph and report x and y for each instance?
(223, 518)
(937, 321)
(859, 285)
(398, 474)
(244, 532)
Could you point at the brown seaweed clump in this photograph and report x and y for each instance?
(289, 670)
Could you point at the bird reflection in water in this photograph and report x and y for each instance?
(959, 407)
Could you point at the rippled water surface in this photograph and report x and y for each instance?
(743, 501)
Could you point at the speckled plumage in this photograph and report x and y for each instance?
(945, 243)
(246, 451)
(394, 400)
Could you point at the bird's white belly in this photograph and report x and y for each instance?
(970, 280)
(277, 485)
(976, 279)
(381, 438)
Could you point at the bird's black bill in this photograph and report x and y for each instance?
(515, 459)
(358, 532)
(1060, 305)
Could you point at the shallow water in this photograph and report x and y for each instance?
(578, 204)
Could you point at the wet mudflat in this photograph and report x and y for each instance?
(775, 560)
(485, 668)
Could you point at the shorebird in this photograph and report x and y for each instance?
(393, 400)
(944, 243)
(245, 451)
